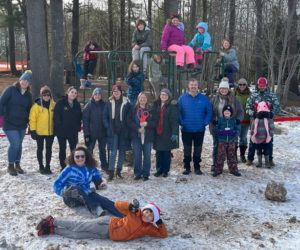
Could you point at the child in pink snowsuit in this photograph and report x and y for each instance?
(173, 40)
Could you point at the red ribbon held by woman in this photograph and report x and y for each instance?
(142, 115)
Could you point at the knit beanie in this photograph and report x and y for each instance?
(168, 92)
(224, 84)
(116, 87)
(242, 81)
(262, 82)
(45, 90)
(154, 209)
(229, 108)
(97, 91)
(26, 76)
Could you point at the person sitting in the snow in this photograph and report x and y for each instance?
(227, 129)
(137, 223)
(262, 131)
(73, 184)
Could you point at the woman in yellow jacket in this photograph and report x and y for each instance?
(41, 126)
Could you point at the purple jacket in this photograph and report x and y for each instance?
(171, 35)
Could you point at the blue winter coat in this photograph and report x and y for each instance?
(92, 118)
(76, 176)
(124, 142)
(15, 108)
(134, 81)
(227, 130)
(194, 112)
(201, 40)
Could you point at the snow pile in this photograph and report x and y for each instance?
(200, 212)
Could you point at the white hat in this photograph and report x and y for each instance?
(154, 209)
(224, 84)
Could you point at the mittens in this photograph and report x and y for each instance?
(33, 135)
(133, 207)
(174, 138)
(71, 192)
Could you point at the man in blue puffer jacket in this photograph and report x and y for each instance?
(195, 112)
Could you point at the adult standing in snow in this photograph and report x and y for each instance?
(195, 112)
(67, 123)
(15, 104)
(41, 126)
(262, 94)
(93, 127)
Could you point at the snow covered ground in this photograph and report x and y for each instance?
(200, 212)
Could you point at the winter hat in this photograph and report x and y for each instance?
(168, 92)
(202, 25)
(116, 87)
(45, 90)
(224, 84)
(97, 91)
(229, 108)
(154, 209)
(262, 82)
(26, 76)
(242, 81)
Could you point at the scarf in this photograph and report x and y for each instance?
(160, 128)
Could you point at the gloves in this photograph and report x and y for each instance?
(215, 122)
(101, 183)
(87, 140)
(238, 122)
(158, 222)
(33, 135)
(71, 192)
(133, 207)
(227, 132)
(174, 138)
(1, 121)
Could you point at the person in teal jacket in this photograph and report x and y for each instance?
(202, 40)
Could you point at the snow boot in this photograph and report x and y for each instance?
(18, 168)
(47, 170)
(267, 161)
(215, 174)
(190, 67)
(249, 162)
(110, 175)
(237, 174)
(41, 169)
(198, 68)
(259, 165)
(11, 169)
(272, 163)
(118, 173)
(242, 153)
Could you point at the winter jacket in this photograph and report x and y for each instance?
(133, 124)
(261, 134)
(194, 112)
(67, 120)
(87, 56)
(155, 70)
(266, 96)
(76, 176)
(171, 35)
(92, 119)
(230, 58)
(142, 38)
(231, 100)
(202, 40)
(243, 97)
(170, 126)
(15, 108)
(41, 118)
(227, 130)
(108, 116)
(134, 81)
(132, 226)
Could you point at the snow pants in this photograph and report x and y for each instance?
(226, 149)
(180, 52)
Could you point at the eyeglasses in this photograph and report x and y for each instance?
(47, 95)
(242, 84)
(79, 156)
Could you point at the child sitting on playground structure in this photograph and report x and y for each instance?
(90, 59)
(202, 40)
(156, 79)
(136, 223)
(134, 80)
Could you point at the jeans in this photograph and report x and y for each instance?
(62, 141)
(251, 150)
(138, 53)
(113, 155)
(163, 161)
(138, 150)
(215, 148)
(243, 135)
(40, 147)
(15, 138)
(102, 150)
(92, 201)
(228, 72)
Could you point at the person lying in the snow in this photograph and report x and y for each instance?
(137, 223)
(73, 184)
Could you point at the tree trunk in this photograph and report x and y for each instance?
(192, 19)
(150, 13)
(204, 10)
(170, 7)
(75, 25)
(258, 38)
(38, 45)
(11, 36)
(129, 24)
(293, 45)
(232, 22)
(122, 23)
(57, 48)
(111, 27)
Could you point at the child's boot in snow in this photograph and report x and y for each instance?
(267, 161)
(259, 165)
(11, 169)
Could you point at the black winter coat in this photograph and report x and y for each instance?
(151, 120)
(67, 120)
(124, 142)
(170, 127)
(15, 108)
(92, 119)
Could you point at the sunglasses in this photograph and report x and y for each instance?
(242, 84)
(46, 95)
(79, 156)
